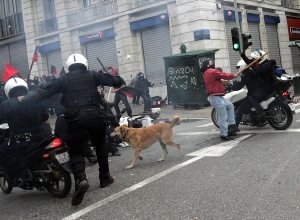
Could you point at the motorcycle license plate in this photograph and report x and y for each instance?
(63, 157)
(292, 106)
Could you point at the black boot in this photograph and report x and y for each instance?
(232, 129)
(226, 138)
(106, 180)
(81, 186)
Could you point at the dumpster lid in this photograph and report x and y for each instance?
(193, 53)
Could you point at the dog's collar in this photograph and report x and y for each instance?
(124, 137)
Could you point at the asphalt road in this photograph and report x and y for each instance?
(255, 176)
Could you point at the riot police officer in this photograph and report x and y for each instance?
(27, 123)
(83, 115)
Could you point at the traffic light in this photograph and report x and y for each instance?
(246, 43)
(235, 39)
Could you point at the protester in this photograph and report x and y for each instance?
(120, 95)
(215, 90)
(83, 115)
(142, 87)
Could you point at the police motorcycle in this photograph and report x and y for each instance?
(279, 107)
(283, 82)
(45, 167)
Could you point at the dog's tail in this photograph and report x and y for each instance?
(175, 120)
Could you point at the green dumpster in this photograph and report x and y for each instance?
(184, 80)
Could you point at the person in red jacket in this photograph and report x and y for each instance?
(215, 91)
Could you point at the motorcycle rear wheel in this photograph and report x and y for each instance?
(58, 181)
(214, 117)
(5, 182)
(280, 116)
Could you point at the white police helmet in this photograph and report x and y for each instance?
(241, 64)
(76, 58)
(258, 53)
(13, 83)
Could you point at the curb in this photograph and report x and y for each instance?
(185, 120)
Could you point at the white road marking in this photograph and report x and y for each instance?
(205, 125)
(212, 151)
(241, 132)
(297, 111)
(218, 149)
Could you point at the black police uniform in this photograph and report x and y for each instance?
(83, 115)
(60, 129)
(259, 85)
(253, 83)
(142, 87)
(28, 127)
(265, 76)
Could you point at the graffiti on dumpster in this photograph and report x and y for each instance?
(183, 77)
(201, 60)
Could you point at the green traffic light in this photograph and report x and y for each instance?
(236, 46)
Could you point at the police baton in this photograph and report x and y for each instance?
(252, 63)
(103, 67)
(106, 72)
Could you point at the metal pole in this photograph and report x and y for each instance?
(237, 22)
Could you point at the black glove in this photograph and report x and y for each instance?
(119, 81)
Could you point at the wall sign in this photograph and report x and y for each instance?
(97, 36)
(202, 34)
(294, 28)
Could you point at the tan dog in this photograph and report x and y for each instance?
(142, 138)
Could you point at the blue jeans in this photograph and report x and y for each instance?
(225, 112)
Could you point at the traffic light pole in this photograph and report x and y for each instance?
(237, 22)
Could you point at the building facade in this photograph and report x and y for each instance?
(135, 35)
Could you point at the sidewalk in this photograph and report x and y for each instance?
(168, 111)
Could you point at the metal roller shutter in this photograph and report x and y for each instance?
(156, 44)
(4, 57)
(296, 59)
(105, 50)
(273, 43)
(255, 39)
(54, 59)
(234, 56)
(19, 58)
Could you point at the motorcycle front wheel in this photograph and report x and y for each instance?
(58, 181)
(5, 182)
(280, 116)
